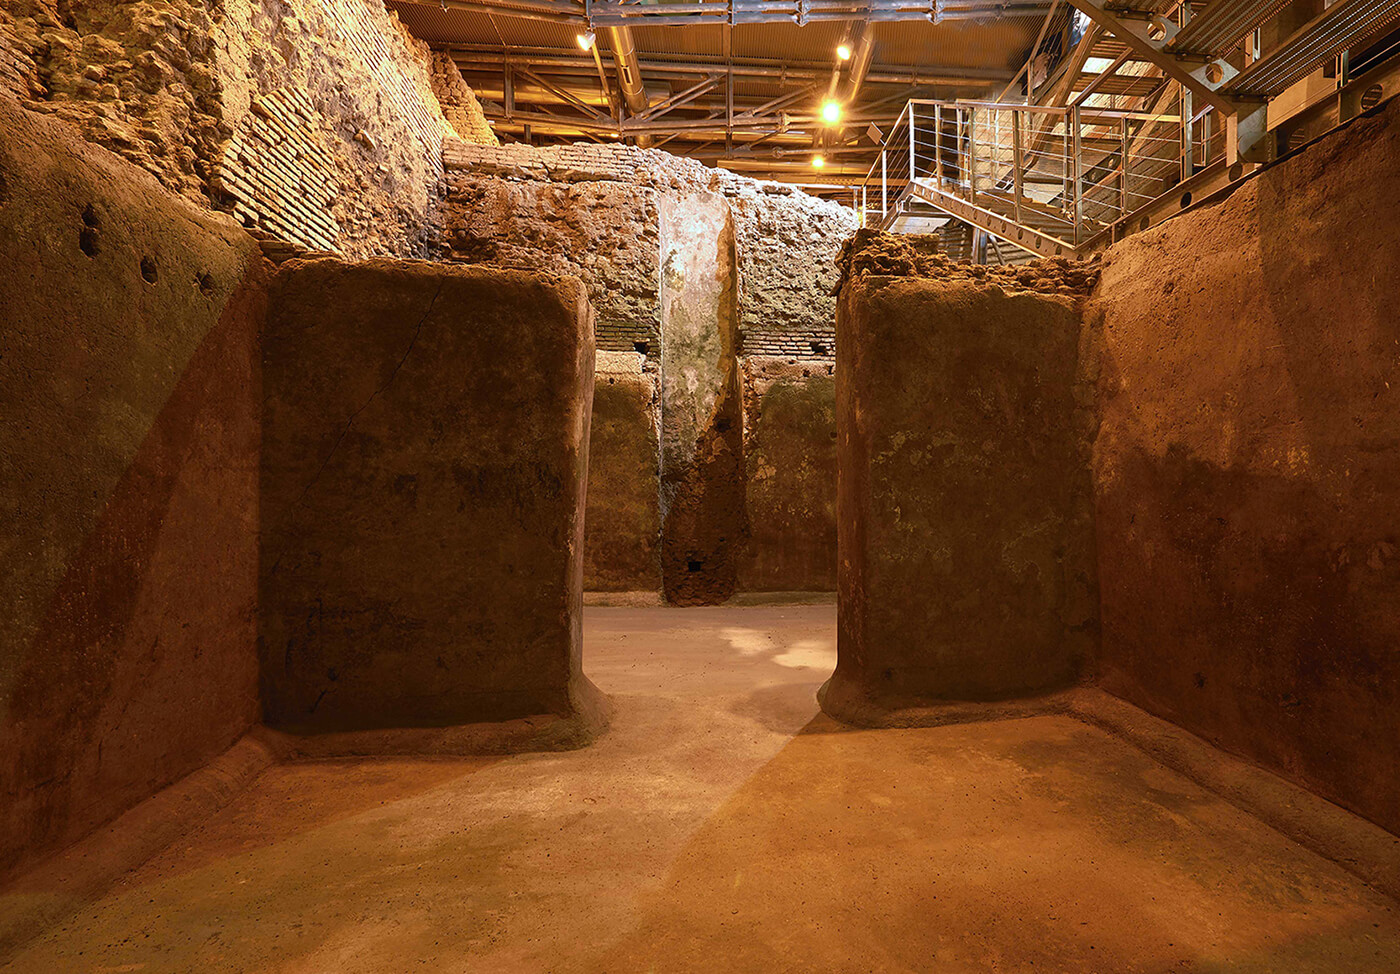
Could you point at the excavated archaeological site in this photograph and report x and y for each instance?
(562, 486)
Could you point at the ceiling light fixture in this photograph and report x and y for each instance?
(844, 52)
(831, 111)
(818, 162)
(585, 41)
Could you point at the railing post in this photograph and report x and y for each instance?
(1016, 160)
(1065, 169)
(938, 145)
(972, 153)
(1123, 173)
(1078, 174)
(864, 210)
(1188, 108)
(884, 187)
(913, 144)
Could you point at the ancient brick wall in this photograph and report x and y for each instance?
(459, 105)
(192, 90)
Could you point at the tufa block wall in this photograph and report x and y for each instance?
(620, 218)
(1247, 472)
(419, 570)
(129, 440)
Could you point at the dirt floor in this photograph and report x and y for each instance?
(724, 825)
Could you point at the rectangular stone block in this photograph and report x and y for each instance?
(425, 454)
(964, 512)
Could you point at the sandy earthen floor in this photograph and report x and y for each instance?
(723, 825)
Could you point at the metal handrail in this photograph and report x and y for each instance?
(1048, 178)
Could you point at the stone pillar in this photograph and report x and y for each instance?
(425, 453)
(702, 462)
(963, 502)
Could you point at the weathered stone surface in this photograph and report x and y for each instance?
(787, 245)
(623, 527)
(702, 465)
(425, 453)
(167, 83)
(128, 474)
(790, 459)
(604, 233)
(1247, 473)
(966, 567)
(626, 221)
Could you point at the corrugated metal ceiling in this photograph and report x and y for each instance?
(999, 43)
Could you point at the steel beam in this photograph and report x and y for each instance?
(1313, 45)
(1136, 35)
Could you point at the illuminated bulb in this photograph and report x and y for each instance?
(831, 112)
(844, 52)
(818, 162)
(585, 41)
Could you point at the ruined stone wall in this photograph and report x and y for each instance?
(620, 218)
(1247, 472)
(129, 478)
(514, 204)
(459, 105)
(265, 108)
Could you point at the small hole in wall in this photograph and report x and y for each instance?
(87, 241)
(148, 270)
(611, 381)
(694, 566)
(89, 216)
(819, 348)
(206, 283)
(1185, 200)
(722, 424)
(641, 348)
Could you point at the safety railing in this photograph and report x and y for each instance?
(1047, 179)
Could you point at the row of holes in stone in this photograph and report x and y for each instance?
(87, 243)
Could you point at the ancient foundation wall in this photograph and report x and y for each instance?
(1247, 474)
(425, 451)
(128, 474)
(964, 506)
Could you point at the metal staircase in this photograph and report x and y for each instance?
(1171, 121)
